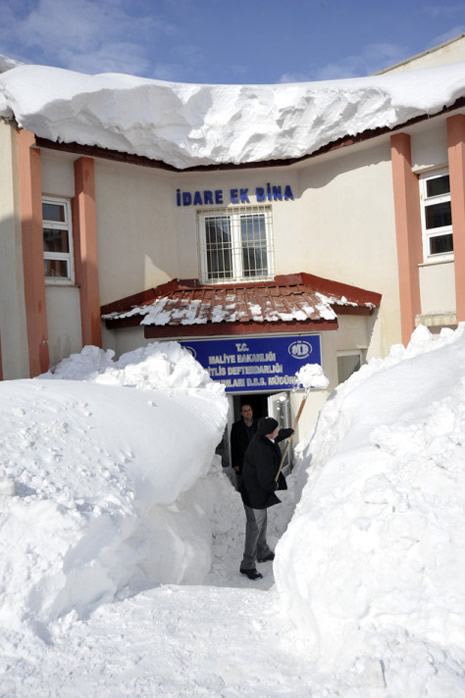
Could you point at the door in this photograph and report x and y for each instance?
(279, 407)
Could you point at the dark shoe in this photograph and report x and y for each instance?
(267, 558)
(251, 574)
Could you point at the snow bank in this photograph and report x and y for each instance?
(185, 125)
(372, 566)
(163, 365)
(110, 481)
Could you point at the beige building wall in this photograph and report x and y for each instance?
(63, 302)
(64, 322)
(437, 288)
(429, 145)
(451, 51)
(353, 335)
(145, 239)
(340, 225)
(284, 212)
(57, 171)
(124, 339)
(13, 333)
(136, 235)
(346, 229)
(324, 230)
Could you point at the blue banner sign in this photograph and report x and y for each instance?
(257, 363)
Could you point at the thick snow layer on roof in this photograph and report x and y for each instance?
(7, 63)
(186, 125)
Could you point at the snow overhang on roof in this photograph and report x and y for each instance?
(295, 302)
(190, 125)
(8, 63)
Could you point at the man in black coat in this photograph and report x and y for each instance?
(242, 433)
(261, 464)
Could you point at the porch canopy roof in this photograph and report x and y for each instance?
(292, 303)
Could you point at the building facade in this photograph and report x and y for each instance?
(329, 258)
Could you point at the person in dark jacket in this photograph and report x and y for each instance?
(261, 464)
(242, 433)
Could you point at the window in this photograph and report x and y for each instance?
(347, 363)
(236, 244)
(58, 243)
(436, 215)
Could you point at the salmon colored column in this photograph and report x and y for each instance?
(408, 231)
(85, 247)
(456, 155)
(30, 195)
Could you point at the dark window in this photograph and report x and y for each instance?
(441, 244)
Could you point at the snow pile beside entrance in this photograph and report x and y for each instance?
(372, 566)
(160, 365)
(185, 125)
(111, 493)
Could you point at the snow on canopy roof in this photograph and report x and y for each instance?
(186, 125)
(289, 298)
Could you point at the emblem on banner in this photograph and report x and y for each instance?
(300, 349)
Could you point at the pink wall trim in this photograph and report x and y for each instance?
(85, 250)
(30, 196)
(408, 231)
(456, 155)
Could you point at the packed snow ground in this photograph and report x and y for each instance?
(187, 125)
(121, 536)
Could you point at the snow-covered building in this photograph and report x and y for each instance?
(261, 226)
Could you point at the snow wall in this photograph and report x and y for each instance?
(372, 566)
(89, 514)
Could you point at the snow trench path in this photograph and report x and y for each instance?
(173, 642)
(225, 638)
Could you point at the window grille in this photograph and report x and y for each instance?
(236, 244)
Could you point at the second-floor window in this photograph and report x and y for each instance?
(436, 215)
(58, 241)
(236, 244)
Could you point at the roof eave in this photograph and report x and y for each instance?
(225, 329)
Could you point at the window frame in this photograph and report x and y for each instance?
(425, 201)
(235, 216)
(66, 226)
(360, 353)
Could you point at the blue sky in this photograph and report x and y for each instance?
(226, 41)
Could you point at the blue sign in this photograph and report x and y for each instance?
(257, 363)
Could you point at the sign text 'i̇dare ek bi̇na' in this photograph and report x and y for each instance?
(236, 195)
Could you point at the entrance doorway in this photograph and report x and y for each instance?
(276, 405)
(258, 403)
